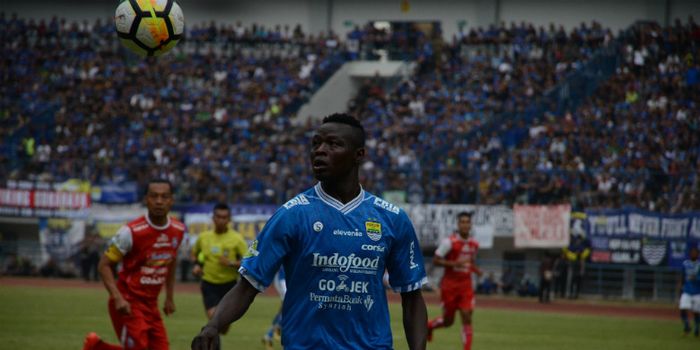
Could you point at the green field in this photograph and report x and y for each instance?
(43, 319)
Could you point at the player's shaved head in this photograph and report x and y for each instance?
(357, 132)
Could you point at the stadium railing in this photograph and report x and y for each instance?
(603, 281)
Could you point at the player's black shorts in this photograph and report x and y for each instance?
(212, 293)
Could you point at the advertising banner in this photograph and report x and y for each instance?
(59, 238)
(436, 221)
(541, 226)
(43, 203)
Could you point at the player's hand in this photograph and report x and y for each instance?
(122, 305)
(207, 339)
(197, 270)
(169, 307)
(228, 263)
(462, 262)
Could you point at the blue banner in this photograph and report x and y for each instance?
(113, 193)
(632, 236)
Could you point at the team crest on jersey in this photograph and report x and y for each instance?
(174, 242)
(163, 241)
(374, 230)
(318, 226)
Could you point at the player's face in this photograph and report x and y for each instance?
(159, 199)
(464, 226)
(333, 154)
(694, 254)
(221, 219)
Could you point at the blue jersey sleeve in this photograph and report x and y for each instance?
(265, 254)
(405, 261)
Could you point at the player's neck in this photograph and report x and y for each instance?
(158, 220)
(344, 191)
(220, 231)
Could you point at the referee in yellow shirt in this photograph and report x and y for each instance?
(218, 256)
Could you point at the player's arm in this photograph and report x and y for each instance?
(120, 245)
(232, 307)
(106, 268)
(440, 261)
(196, 248)
(194, 256)
(441, 253)
(407, 276)
(169, 306)
(680, 281)
(415, 317)
(475, 268)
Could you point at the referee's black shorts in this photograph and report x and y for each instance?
(212, 293)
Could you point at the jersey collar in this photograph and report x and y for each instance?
(167, 224)
(343, 208)
(459, 237)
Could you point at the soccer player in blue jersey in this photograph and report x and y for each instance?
(690, 297)
(334, 240)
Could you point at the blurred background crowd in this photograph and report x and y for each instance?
(473, 124)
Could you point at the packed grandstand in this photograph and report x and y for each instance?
(480, 120)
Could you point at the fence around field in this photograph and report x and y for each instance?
(607, 281)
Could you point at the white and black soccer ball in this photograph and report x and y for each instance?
(149, 27)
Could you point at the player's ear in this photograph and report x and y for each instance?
(360, 155)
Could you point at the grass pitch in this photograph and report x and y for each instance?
(58, 318)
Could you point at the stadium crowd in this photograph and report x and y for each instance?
(634, 142)
(73, 107)
(452, 95)
(219, 123)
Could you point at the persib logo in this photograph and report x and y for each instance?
(374, 230)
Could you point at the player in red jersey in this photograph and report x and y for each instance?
(147, 250)
(457, 254)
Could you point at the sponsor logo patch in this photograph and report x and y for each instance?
(252, 250)
(346, 263)
(298, 200)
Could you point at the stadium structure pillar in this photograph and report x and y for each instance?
(489, 12)
(334, 95)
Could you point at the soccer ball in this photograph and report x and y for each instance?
(149, 27)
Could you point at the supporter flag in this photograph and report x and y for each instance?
(541, 226)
